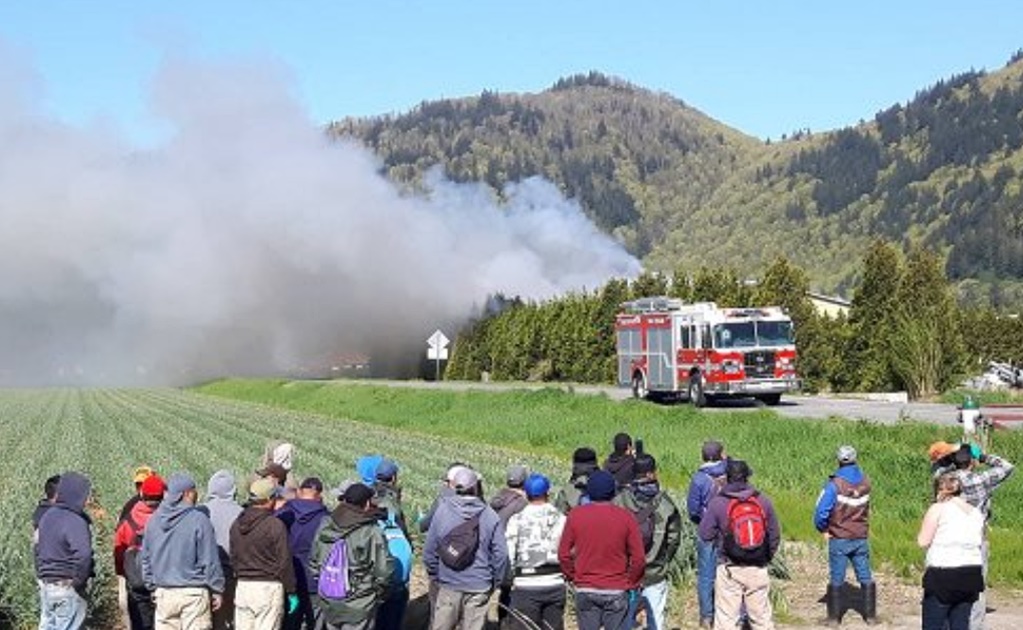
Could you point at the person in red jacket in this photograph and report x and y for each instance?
(128, 536)
(601, 553)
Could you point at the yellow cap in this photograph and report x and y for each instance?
(142, 472)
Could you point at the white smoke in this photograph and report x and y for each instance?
(247, 242)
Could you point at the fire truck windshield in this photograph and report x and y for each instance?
(753, 334)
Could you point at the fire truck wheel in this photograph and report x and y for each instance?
(771, 400)
(696, 395)
(639, 390)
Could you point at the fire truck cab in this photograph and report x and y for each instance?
(704, 352)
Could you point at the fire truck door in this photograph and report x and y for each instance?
(660, 358)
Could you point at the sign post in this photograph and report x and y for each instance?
(437, 349)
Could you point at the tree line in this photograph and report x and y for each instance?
(904, 330)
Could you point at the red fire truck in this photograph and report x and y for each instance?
(704, 352)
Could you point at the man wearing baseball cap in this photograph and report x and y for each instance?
(508, 501)
(843, 516)
(128, 539)
(463, 594)
(262, 562)
(303, 516)
(180, 560)
(138, 476)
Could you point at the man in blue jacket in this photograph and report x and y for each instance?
(63, 555)
(303, 516)
(181, 561)
(707, 482)
(463, 596)
(843, 516)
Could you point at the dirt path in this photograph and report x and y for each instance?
(898, 600)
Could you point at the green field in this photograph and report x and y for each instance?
(106, 433)
(790, 458)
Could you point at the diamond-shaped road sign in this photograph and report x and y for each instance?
(438, 340)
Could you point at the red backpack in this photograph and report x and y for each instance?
(746, 537)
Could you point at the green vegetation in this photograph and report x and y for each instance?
(679, 189)
(107, 433)
(904, 330)
(791, 458)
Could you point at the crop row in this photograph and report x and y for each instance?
(106, 433)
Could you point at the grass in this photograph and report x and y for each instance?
(791, 458)
(1000, 396)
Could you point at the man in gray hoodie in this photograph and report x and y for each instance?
(180, 560)
(221, 503)
(463, 595)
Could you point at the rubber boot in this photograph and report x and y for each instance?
(869, 602)
(834, 601)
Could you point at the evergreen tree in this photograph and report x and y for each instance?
(868, 352)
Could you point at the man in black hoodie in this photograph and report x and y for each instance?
(584, 463)
(621, 461)
(63, 555)
(262, 562)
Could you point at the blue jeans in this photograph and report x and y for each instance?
(938, 616)
(706, 570)
(841, 552)
(62, 608)
(654, 599)
(607, 610)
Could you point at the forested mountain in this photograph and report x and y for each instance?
(943, 170)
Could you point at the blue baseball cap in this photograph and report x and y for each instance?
(536, 485)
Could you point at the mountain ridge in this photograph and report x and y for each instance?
(680, 189)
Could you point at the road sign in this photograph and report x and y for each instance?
(438, 340)
(437, 350)
(437, 354)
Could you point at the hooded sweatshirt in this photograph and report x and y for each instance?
(507, 503)
(180, 548)
(370, 565)
(491, 562)
(706, 483)
(37, 515)
(64, 548)
(124, 535)
(259, 548)
(715, 522)
(304, 517)
(222, 507)
(621, 467)
(667, 534)
(574, 493)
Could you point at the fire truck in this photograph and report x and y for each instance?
(704, 352)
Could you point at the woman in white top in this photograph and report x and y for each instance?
(952, 531)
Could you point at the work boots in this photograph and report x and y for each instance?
(869, 602)
(834, 601)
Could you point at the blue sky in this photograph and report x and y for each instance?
(764, 67)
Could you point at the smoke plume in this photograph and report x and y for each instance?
(247, 242)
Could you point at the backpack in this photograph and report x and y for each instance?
(645, 518)
(458, 547)
(746, 537)
(333, 583)
(133, 558)
(399, 547)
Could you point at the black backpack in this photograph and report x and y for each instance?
(133, 558)
(458, 547)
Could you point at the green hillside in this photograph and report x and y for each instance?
(680, 189)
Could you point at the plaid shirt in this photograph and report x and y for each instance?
(979, 486)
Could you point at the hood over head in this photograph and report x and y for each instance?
(284, 455)
(347, 517)
(251, 518)
(73, 491)
(221, 486)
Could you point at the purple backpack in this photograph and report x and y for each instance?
(333, 581)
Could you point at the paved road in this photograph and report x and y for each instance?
(810, 407)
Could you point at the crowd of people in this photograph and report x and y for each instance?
(296, 555)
